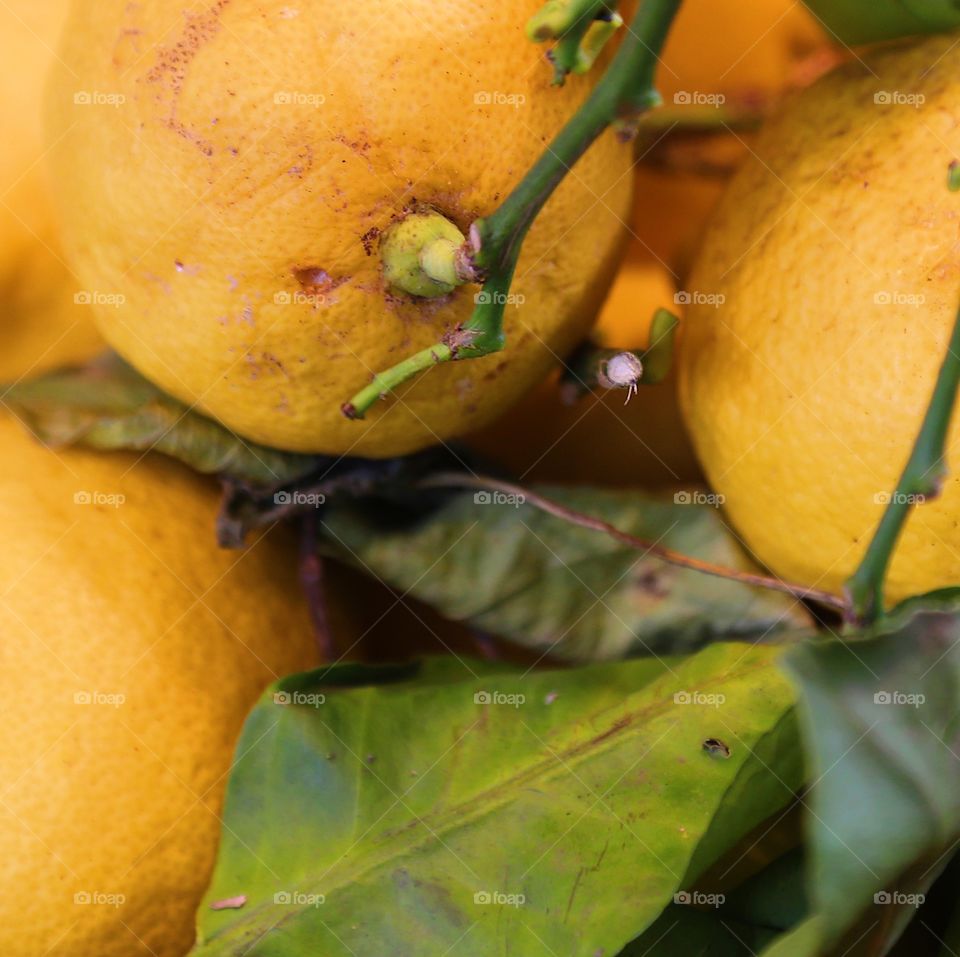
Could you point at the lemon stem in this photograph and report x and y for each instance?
(953, 176)
(385, 382)
(625, 91)
(921, 481)
(658, 359)
(593, 366)
(581, 29)
(596, 37)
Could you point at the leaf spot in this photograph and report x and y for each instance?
(716, 748)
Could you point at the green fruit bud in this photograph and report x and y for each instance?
(420, 254)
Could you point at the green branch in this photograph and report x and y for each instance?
(624, 92)
(921, 481)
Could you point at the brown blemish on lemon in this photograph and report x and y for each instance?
(172, 63)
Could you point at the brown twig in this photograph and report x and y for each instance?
(485, 644)
(462, 480)
(312, 580)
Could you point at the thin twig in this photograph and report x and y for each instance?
(485, 644)
(462, 480)
(313, 581)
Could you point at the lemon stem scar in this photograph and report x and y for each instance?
(622, 370)
(627, 370)
(624, 92)
(921, 481)
(424, 255)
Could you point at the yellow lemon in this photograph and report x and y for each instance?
(41, 323)
(29, 33)
(233, 170)
(670, 215)
(824, 296)
(132, 650)
(745, 52)
(720, 54)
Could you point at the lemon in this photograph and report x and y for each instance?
(824, 296)
(721, 52)
(759, 54)
(670, 215)
(132, 650)
(41, 324)
(233, 170)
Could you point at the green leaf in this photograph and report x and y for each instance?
(107, 405)
(515, 571)
(481, 813)
(736, 924)
(865, 21)
(683, 930)
(776, 898)
(881, 719)
(800, 941)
